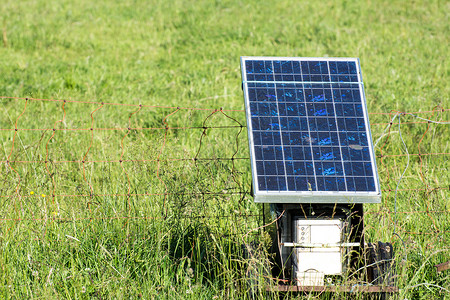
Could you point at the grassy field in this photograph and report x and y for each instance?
(179, 233)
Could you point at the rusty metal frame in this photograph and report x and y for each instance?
(336, 288)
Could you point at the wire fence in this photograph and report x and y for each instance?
(75, 161)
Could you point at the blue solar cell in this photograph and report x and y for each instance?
(272, 183)
(291, 183)
(350, 183)
(292, 138)
(286, 67)
(371, 184)
(260, 168)
(299, 168)
(358, 169)
(268, 153)
(360, 183)
(261, 183)
(270, 168)
(277, 66)
(308, 126)
(368, 169)
(305, 68)
(330, 184)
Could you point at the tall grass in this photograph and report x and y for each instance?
(188, 244)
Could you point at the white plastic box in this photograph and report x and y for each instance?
(316, 251)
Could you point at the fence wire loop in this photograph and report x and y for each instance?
(151, 147)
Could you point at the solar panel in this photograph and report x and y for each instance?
(308, 131)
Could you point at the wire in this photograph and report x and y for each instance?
(401, 177)
(385, 129)
(428, 120)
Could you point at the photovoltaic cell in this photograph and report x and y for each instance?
(308, 130)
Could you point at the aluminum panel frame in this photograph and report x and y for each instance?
(310, 196)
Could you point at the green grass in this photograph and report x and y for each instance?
(181, 54)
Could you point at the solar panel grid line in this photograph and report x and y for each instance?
(270, 92)
(282, 149)
(339, 140)
(310, 144)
